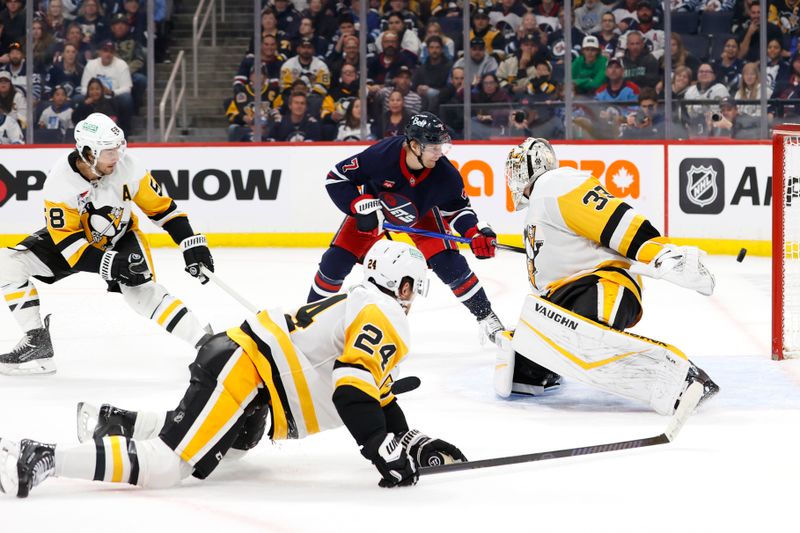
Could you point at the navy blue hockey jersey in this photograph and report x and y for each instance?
(406, 195)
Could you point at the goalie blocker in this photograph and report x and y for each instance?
(621, 363)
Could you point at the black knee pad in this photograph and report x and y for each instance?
(255, 423)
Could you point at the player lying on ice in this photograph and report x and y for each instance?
(90, 227)
(324, 365)
(585, 249)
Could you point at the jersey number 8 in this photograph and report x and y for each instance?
(56, 216)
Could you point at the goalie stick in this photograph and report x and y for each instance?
(691, 397)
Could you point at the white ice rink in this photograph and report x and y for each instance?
(735, 466)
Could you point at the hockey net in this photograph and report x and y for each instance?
(786, 242)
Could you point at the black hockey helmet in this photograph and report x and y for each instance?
(426, 128)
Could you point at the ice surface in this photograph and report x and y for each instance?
(735, 466)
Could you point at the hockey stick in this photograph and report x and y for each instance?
(691, 397)
(446, 237)
(225, 287)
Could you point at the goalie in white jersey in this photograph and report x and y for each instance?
(90, 227)
(327, 364)
(586, 250)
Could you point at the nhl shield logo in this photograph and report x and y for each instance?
(701, 185)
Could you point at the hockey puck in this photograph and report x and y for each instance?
(742, 253)
(405, 384)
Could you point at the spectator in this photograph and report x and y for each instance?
(137, 20)
(12, 102)
(608, 36)
(788, 89)
(58, 115)
(626, 14)
(646, 122)
(66, 73)
(351, 55)
(92, 22)
(130, 51)
(648, 28)
(96, 101)
(288, 17)
(509, 12)
(70, 9)
(75, 38)
(481, 62)
(491, 39)
(297, 125)
(540, 120)
(44, 46)
(347, 29)
(55, 19)
(400, 6)
(615, 90)
(271, 63)
(435, 29)
(788, 16)
(706, 5)
(517, 70)
(681, 57)
(640, 66)
(729, 122)
(589, 15)
(748, 36)
(323, 17)
(452, 96)
(10, 132)
(115, 77)
(269, 26)
(728, 67)
(241, 108)
(557, 44)
(384, 66)
(547, 15)
(402, 84)
(304, 65)
(528, 26)
(749, 89)
(681, 81)
(18, 68)
(12, 18)
(395, 117)
(305, 30)
(777, 69)
(431, 77)
(346, 85)
(589, 70)
(490, 119)
(408, 38)
(350, 126)
(706, 88)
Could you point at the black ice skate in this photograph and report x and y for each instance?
(94, 423)
(490, 326)
(24, 465)
(32, 355)
(698, 374)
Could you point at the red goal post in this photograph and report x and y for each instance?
(786, 241)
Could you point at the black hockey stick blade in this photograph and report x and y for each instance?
(518, 249)
(689, 400)
(406, 384)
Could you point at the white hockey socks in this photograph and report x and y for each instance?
(151, 300)
(23, 302)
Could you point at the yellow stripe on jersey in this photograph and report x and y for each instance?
(73, 259)
(280, 427)
(372, 343)
(116, 455)
(651, 248)
(630, 233)
(14, 295)
(299, 378)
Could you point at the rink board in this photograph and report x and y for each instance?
(711, 194)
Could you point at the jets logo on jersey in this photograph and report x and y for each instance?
(102, 225)
(398, 209)
(352, 165)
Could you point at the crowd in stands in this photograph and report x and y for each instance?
(516, 51)
(88, 55)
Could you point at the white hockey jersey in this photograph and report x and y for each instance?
(574, 227)
(81, 213)
(354, 339)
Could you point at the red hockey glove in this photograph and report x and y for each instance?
(368, 214)
(483, 240)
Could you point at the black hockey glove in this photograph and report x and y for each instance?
(430, 452)
(127, 269)
(196, 253)
(392, 461)
(368, 214)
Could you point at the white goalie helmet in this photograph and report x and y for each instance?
(98, 132)
(388, 262)
(526, 162)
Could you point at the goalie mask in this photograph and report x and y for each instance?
(524, 164)
(388, 263)
(98, 132)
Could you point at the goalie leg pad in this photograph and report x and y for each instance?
(617, 362)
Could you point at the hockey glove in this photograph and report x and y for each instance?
(392, 460)
(682, 266)
(483, 240)
(426, 451)
(196, 253)
(127, 269)
(368, 214)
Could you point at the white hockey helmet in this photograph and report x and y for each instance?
(526, 162)
(98, 132)
(387, 263)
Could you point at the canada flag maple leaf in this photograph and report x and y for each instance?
(622, 178)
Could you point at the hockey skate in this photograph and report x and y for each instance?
(24, 465)
(698, 374)
(490, 326)
(32, 355)
(95, 423)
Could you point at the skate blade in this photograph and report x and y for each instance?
(9, 478)
(86, 421)
(29, 368)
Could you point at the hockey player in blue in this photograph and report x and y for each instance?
(408, 181)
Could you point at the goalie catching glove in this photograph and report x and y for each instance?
(196, 253)
(682, 266)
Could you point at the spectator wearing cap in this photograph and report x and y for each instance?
(323, 16)
(402, 84)
(516, 70)
(431, 76)
(492, 39)
(57, 115)
(640, 66)
(66, 73)
(646, 122)
(608, 36)
(75, 38)
(540, 120)
(297, 125)
(12, 102)
(588, 16)
(589, 70)
(288, 17)
(435, 29)
(617, 91)
(92, 21)
(133, 53)
(115, 75)
(730, 122)
(311, 69)
(650, 28)
(271, 62)
(17, 67)
(306, 30)
(409, 41)
(382, 67)
(509, 12)
(12, 18)
(748, 36)
(706, 88)
(481, 63)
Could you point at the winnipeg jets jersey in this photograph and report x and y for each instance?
(355, 339)
(574, 227)
(81, 214)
